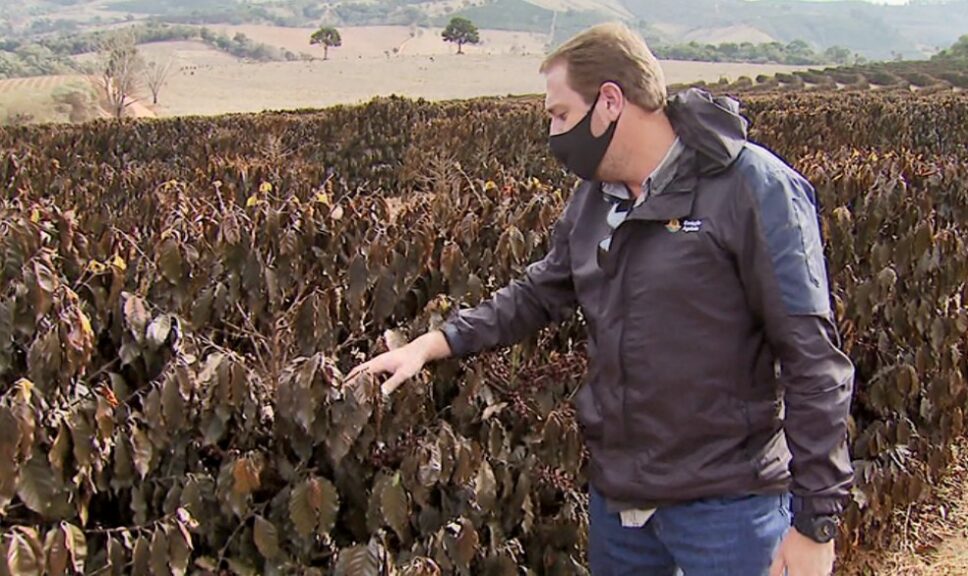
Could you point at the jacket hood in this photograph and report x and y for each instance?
(711, 125)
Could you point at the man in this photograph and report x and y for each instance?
(715, 386)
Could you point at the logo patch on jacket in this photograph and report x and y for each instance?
(675, 225)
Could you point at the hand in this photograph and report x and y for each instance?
(405, 362)
(801, 556)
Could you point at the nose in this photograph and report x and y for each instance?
(555, 127)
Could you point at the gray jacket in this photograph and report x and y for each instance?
(714, 362)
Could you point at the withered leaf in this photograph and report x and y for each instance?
(361, 560)
(180, 550)
(301, 510)
(9, 438)
(266, 538)
(170, 261)
(395, 506)
(136, 315)
(144, 452)
(55, 548)
(141, 557)
(158, 331)
(76, 545)
(159, 553)
(40, 490)
(246, 473)
(23, 558)
(117, 558)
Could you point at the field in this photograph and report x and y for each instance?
(181, 298)
(373, 61)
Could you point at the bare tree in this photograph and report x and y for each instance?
(119, 71)
(155, 77)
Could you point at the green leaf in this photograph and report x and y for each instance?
(266, 538)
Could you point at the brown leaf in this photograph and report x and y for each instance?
(246, 473)
(76, 545)
(266, 538)
(486, 487)
(170, 261)
(357, 279)
(180, 550)
(41, 491)
(141, 557)
(465, 544)
(430, 464)
(117, 559)
(302, 511)
(123, 466)
(55, 549)
(9, 439)
(324, 492)
(395, 507)
(350, 415)
(361, 560)
(158, 331)
(104, 416)
(173, 404)
(159, 553)
(23, 558)
(136, 315)
(82, 438)
(144, 452)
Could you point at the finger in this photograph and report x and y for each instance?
(394, 382)
(355, 372)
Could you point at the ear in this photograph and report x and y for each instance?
(612, 100)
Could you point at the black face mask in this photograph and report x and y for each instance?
(579, 150)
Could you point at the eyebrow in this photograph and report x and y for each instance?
(551, 109)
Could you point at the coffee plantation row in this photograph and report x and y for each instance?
(181, 299)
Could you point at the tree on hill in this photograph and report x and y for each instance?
(327, 36)
(119, 71)
(156, 74)
(958, 51)
(461, 31)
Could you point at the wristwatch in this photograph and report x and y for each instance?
(820, 528)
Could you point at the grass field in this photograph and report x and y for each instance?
(373, 61)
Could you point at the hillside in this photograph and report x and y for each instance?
(875, 31)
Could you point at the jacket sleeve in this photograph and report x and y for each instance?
(544, 294)
(777, 244)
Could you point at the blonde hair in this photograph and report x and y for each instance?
(611, 53)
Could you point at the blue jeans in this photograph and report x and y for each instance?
(709, 537)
